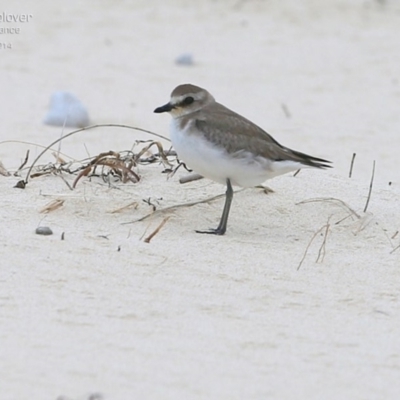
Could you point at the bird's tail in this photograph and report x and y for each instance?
(311, 161)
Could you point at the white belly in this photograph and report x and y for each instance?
(215, 163)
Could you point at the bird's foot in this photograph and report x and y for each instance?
(217, 231)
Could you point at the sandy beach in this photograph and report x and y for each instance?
(299, 300)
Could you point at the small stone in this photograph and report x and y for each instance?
(20, 184)
(66, 109)
(43, 230)
(184, 59)
(96, 396)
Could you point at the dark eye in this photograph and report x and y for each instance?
(188, 100)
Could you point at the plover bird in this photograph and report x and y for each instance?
(223, 146)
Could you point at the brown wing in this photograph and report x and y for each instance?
(245, 135)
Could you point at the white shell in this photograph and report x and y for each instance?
(66, 109)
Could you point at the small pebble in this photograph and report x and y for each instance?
(43, 230)
(66, 108)
(184, 59)
(96, 396)
(20, 184)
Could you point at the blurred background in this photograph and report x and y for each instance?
(321, 76)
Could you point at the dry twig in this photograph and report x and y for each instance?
(332, 200)
(112, 160)
(23, 163)
(160, 152)
(322, 249)
(370, 187)
(154, 233)
(321, 252)
(171, 208)
(396, 248)
(265, 189)
(134, 204)
(52, 206)
(180, 164)
(352, 164)
(59, 159)
(85, 129)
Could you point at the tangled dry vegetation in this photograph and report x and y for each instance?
(122, 165)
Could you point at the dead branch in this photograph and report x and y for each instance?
(308, 246)
(343, 219)
(85, 129)
(265, 189)
(160, 152)
(112, 160)
(370, 187)
(134, 204)
(163, 222)
(332, 200)
(363, 222)
(322, 249)
(172, 208)
(321, 252)
(59, 159)
(352, 164)
(23, 163)
(396, 248)
(52, 206)
(180, 164)
(85, 172)
(151, 204)
(65, 181)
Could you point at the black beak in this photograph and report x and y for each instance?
(165, 108)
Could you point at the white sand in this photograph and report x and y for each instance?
(189, 316)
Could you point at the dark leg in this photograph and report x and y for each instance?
(224, 218)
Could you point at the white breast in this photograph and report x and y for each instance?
(215, 163)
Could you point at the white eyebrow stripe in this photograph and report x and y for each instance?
(180, 99)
